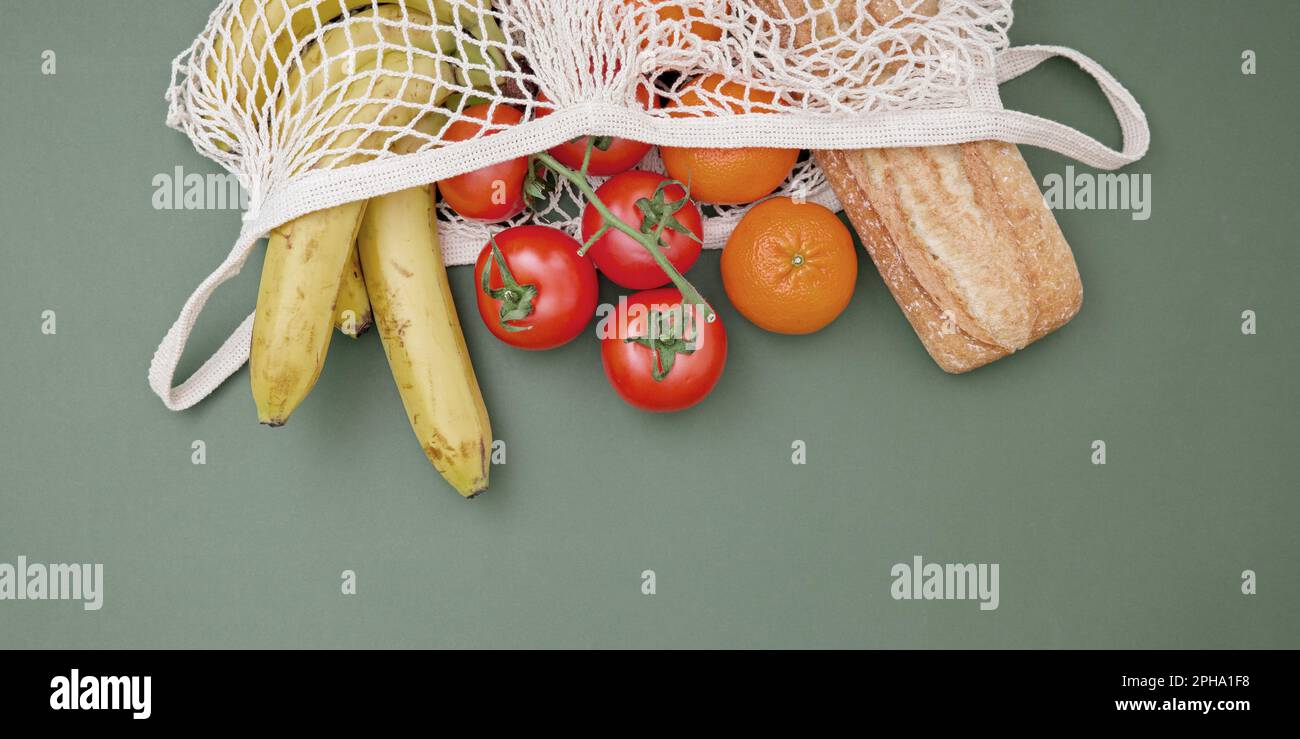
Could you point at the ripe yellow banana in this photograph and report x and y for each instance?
(340, 52)
(429, 124)
(352, 315)
(256, 40)
(305, 259)
(300, 281)
(408, 287)
(340, 137)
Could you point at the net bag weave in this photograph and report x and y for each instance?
(315, 103)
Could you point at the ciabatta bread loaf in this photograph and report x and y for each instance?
(963, 239)
(960, 234)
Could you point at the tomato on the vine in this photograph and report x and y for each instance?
(495, 192)
(660, 355)
(643, 199)
(611, 155)
(534, 290)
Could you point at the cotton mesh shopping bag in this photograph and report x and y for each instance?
(315, 103)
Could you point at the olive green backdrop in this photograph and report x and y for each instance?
(749, 550)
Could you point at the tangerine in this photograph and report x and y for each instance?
(728, 176)
(790, 267)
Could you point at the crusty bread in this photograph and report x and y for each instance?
(963, 240)
(960, 234)
(826, 17)
(820, 20)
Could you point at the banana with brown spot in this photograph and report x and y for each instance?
(421, 333)
(305, 259)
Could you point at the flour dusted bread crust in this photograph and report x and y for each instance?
(960, 234)
(963, 240)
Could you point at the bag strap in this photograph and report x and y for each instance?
(1024, 128)
(225, 362)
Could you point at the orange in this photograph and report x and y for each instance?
(790, 267)
(706, 31)
(728, 176)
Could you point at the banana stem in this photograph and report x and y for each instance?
(649, 241)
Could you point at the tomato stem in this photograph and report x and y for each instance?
(665, 339)
(604, 229)
(586, 156)
(649, 241)
(516, 299)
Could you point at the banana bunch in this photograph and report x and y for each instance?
(257, 41)
(367, 262)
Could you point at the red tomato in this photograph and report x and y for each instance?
(545, 296)
(618, 255)
(668, 373)
(493, 193)
(621, 154)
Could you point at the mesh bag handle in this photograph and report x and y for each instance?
(1024, 128)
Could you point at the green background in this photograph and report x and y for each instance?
(749, 549)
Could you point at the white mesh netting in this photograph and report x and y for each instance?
(313, 103)
(276, 88)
